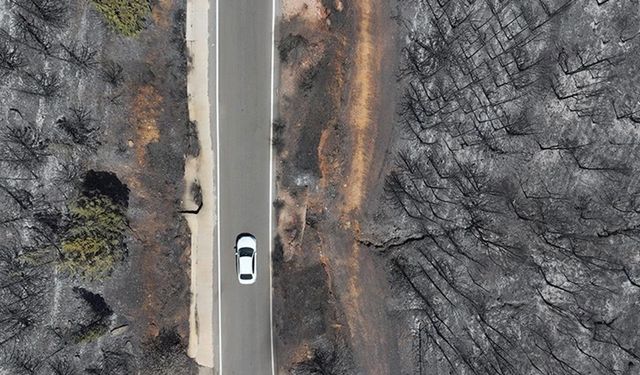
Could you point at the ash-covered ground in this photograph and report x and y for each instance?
(88, 115)
(499, 233)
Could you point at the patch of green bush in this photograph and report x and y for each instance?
(91, 333)
(94, 240)
(126, 16)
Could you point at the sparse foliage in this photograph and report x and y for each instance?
(325, 359)
(21, 362)
(93, 243)
(97, 323)
(125, 16)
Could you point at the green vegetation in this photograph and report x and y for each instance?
(93, 242)
(91, 333)
(126, 16)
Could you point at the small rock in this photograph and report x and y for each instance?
(130, 143)
(120, 330)
(154, 330)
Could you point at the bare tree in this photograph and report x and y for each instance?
(20, 361)
(111, 72)
(24, 147)
(63, 367)
(33, 34)
(473, 179)
(114, 362)
(80, 55)
(78, 124)
(51, 12)
(45, 84)
(11, 58)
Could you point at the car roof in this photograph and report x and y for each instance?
(245, 265)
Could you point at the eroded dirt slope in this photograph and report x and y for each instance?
(336, 107)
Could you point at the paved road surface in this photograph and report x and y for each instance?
(244, 105)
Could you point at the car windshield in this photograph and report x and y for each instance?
(245, 252)
(245, 276)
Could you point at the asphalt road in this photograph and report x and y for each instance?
(244, 127)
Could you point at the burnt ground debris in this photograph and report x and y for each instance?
(514, 175)
(86, 112)
(312, 247)
(309, 338)
(504, 217)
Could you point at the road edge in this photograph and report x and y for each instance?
(275, 83)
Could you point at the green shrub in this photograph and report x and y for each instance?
(93, 241)
(91, 333)
(126, 16)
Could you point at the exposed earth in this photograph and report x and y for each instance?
(456, 189)
(337, 93)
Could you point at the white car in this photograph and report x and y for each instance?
(246, 258)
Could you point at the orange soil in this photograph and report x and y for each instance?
(363, 100)
(145, 112)
(147, 106)
(361, 116)
(346, 165)
(331, 165)
(309, 10)
(161, 13)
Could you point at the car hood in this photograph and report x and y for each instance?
(247, 241)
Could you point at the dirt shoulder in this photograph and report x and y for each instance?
(199, 196)
(336, 109)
